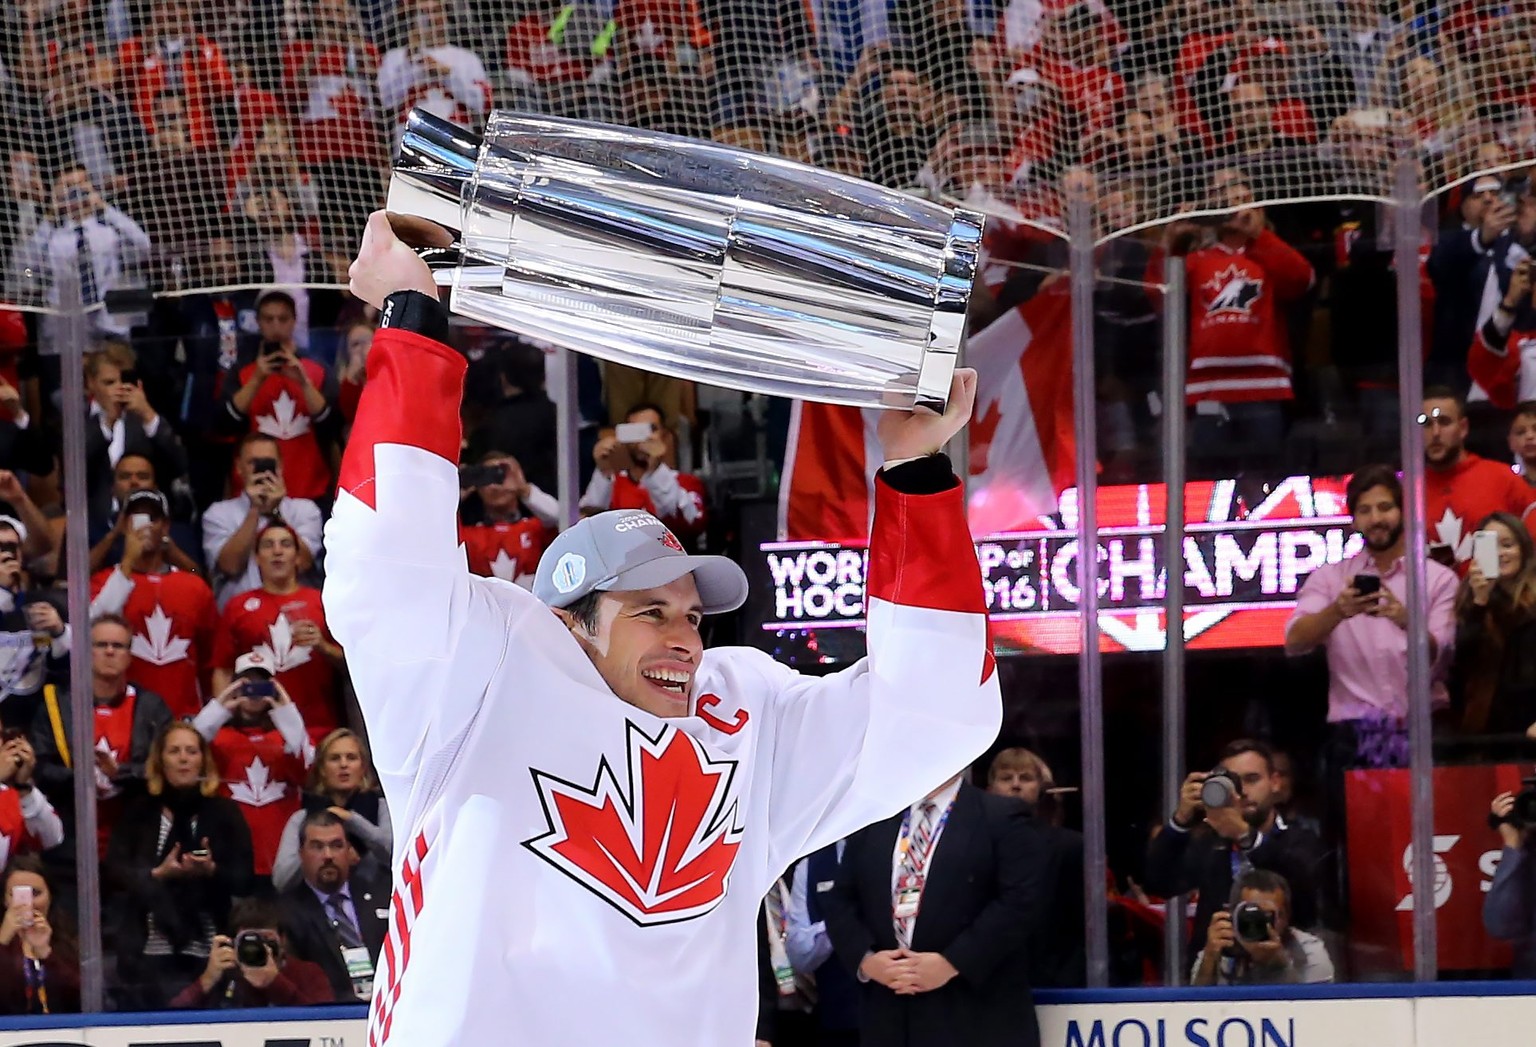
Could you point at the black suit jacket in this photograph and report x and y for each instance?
(311, 937)
(987, 887)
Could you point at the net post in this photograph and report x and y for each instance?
(72, 334)
(1407, 205)
(1079, 218)
(1175, 325)
(567, 437)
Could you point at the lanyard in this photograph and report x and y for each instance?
(36, 989)
(904, 841)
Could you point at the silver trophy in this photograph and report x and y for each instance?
(691, 259)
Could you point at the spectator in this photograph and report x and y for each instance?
(505, 524)
(341, 781)
(28, 822)
(1460, 486)
(82, 124)
(262, 750)
(128, 719)
(1355, 608)
(1502, 360)
(1058, 957)
(352, 369)
(809, 948)
(136, 473)
(1462, 263)
(966, 962)
(171, 55)
(97, 243)
(1201, 846)
(287, 398)
(171, 612)
(642, 474)
(179, 186)
(523, 423)
(24, 446)
(281, 254)
(1522, 441)
(1239, 352)
(230, 527)
(232, 980)
(126, 424)
(36, 534)
(1286, 956)
(1495, 666)
(1509, 910)
(284, 623)
(339, 918)
(32, 631)
(39, 954)
(178, 856)
(431, 74)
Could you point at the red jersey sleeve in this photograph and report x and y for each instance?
(1283, 264)
(1496, 369)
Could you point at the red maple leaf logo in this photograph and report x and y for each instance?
(669, 540)
(660, 851)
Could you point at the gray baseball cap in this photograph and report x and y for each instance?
(627, 549)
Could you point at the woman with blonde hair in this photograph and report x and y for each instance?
(177, 857)
(1494, 674)
(341, 780)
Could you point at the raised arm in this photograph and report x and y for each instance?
(855, 747)
(423, 635)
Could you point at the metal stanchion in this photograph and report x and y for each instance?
(1175, 351)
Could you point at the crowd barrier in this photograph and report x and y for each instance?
(1465, 1014)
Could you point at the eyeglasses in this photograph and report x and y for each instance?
(108, 645)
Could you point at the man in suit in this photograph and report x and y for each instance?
(336, 919)
(933, 909)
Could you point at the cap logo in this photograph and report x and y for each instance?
(634, 521)
(669, 540)
(570, 571)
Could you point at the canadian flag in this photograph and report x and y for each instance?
(1022, 446)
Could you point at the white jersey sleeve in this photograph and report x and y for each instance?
(855, 747)
(423, 636)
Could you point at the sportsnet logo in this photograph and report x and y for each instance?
(660, 846)
(1233, 292)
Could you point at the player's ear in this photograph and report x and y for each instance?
(570, 621)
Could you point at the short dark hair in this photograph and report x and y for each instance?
(259, 438)
(252, 914)
(1445, 392)
(319, 818)
(1524, 409)
(111, 618)
(646, 405)
(1370, 476)
(584, 610)
(520, 365)
(1248, 745)
(277, 296)
(1265, 880)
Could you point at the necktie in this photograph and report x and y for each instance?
(913, 865)
(87, 266)
(346, 930)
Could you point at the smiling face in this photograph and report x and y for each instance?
(646, 645)
(1511, 557)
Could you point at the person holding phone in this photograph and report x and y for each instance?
(230, 527)
(262, 749)
(126, 424)
(637, 469)
(1494, 673)
(33, 634)
(1461, 487)
(505, 522)
(251, 966)
(1502, 359)
(39, 954)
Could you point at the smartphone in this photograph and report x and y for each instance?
(10, 734)
(1485, 553)
(128, 377)
(259, 689)
(199, 852)
(482, 475)
(21, 897)
(270, 349)
(1367, 584)
(632, 432)
(139, 521)
(263, 465)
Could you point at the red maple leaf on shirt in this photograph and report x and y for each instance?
(660, 846)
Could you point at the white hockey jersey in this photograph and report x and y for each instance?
(573, 871)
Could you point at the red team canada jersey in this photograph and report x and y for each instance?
(629, 495)
(279, 411)
(15, 837)
(265, 777)
(1507, 372)
(575, 825)
(1238, 347)
(174, 621)
(508, 551)
(261, 621)
(1460, 498)
(329, 87)
(114, 736)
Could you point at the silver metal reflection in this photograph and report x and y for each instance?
(693, 260)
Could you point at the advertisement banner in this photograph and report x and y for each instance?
(1257, 1023)
(1466, 857)
(319, 1033)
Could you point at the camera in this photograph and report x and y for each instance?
(1220, 789)
(482, 475)
(1251, 922)
(252, 949)
(1523, 813)
(263, 465)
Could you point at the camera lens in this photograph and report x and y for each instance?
(1219, 790)
(1251, 923)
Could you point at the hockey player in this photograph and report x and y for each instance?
(591, 806)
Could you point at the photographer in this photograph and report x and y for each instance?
(230, 527)
(290, 399)
(637, 469)
(1226, 821)
(1253, 943)
(505, 522)
(251, 966)
(1509, 910)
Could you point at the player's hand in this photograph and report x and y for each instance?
(885, 967)
(386, 264)
(912, 434)
(924, 972)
